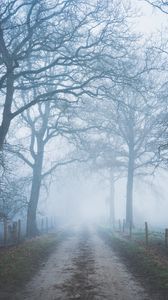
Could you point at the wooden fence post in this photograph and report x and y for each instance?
(42, 225)
(55, 222)
(19, 230)
(15, 231)
(5, 232)
(119, 224)
(130, 230)
(166, 237)
(51, 222)
(47, 224)
(146, 235)
(123, 228)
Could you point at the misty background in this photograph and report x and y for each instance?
(85, 199)
(84, 111)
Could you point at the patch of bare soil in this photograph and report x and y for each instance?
(83, 267)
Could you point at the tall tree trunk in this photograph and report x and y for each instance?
(7, 116)
(3, 132)
(130, 181)
(37, 173)
(35, 191)
(112, 199)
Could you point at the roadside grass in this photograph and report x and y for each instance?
(19, 263)
(152, 273)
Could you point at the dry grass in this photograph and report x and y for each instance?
(19, 263)
(146, 266)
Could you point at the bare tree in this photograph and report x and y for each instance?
(100, 145)
(47, 124)
(42, 123)
(72, 33)
(136, 122)
(160, 4)
(125, 137)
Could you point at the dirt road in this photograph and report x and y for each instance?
(83, 267)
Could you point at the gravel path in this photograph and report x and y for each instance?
(84, 268)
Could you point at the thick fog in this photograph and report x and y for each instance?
(83, 134)
(84, 198)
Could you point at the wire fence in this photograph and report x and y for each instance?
(14, 232)
(146, 234)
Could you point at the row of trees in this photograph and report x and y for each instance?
(72, 74)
